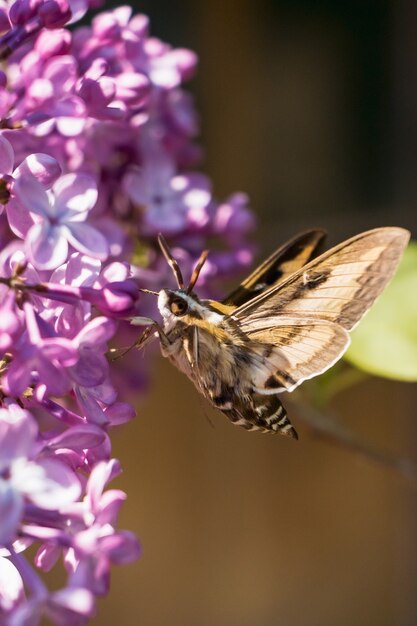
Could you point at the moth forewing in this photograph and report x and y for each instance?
(286, 260)
(338, 286)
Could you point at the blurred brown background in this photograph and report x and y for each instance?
(310, 107)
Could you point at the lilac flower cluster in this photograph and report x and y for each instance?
(97, 150)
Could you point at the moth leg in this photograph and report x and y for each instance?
(147, 335)
(153, 326)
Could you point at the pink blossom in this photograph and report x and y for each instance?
(63, 214)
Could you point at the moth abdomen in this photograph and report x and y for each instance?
(262, 413)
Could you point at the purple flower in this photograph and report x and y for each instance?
(169, 202)
(99, 545)
(66, 607)
(40, 166)
(44, 168)
(63, 214)
(233, 218)
(92, 367)
(47, 483)
(39, 360)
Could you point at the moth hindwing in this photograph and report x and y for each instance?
(286, 323)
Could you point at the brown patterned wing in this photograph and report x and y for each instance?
(294, 350)
(276, 268)
(339, 286)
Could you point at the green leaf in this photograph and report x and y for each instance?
(385, 342)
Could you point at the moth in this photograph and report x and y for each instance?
(285, 323)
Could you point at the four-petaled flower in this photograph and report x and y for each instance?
(62, 214)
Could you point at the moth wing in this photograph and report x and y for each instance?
(292, 350)
(339, 286)
(282, 263)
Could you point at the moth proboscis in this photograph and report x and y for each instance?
(287, 322)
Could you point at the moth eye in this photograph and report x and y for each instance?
(179, 307)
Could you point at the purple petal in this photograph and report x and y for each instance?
(120, 413)
(114, 272)
(26, 613)
(89, 406)
(18, 432)
(32, 196)
(6, 156)
(48, 483)
(54, 378)
(110, 504)
(132, 87)
(19, 218)
(47, 556)
(39, 92)
(78, 438)
(76, 600)
(135, 187)
(51, 43)
(78, 10)
(11, 511)
(102, 473)
(121, 547)
(86, 541)
(47, 248)
(75, 193)
(81, 270)
(87, 239)
(61, 349)
(62, 72)
(93, 573)
(12, 591)
(97, 93)
(99, 454)
(17, 377)
(96, 332)
(44, 533)
(43, 167)
(105, 392)
(70, 126)
(69, 110)
(91, 369)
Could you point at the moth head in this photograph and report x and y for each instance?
(175, 304)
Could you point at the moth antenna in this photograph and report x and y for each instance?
(154, 293)
(173, 263)
(196, 271)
